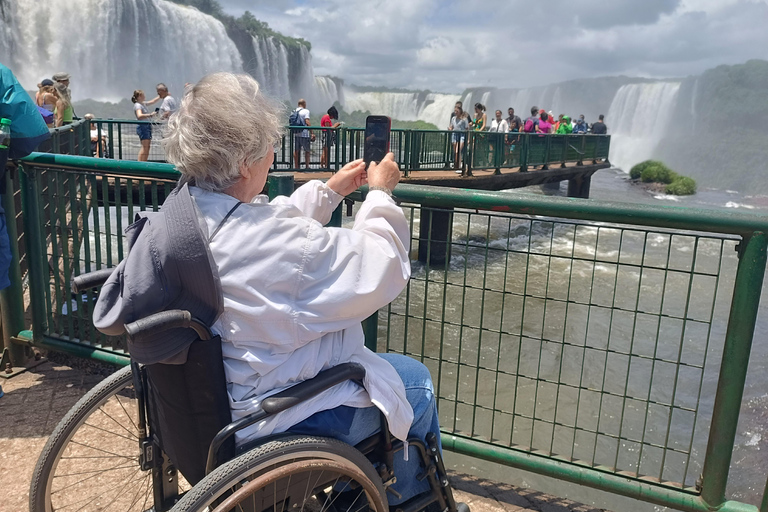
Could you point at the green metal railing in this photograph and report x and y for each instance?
(600, 343)
(416, 150)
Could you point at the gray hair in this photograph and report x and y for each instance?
(224, 122)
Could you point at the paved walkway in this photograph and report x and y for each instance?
(35, 401)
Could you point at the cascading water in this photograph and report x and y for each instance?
(111, 47)
(639, 116)
(432, 108)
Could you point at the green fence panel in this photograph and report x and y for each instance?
(566, 337)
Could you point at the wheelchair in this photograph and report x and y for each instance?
(160, 438)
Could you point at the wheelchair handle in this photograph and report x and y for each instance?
(90, 280)
(164, 320)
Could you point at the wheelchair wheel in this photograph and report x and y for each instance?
(91, 460)
(297, 473)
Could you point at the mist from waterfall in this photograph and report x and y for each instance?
(639, 117)
(111, 47)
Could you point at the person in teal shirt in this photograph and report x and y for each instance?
(28, 130)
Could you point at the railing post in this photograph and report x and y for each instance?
(733, 369)
(370, 331)
(111, 139)
(33, 238)
(764, 503)
(279, 184)
(525, 146)
(12, 297)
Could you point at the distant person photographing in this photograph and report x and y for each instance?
(169, 104)
(599, 128)
(301, 140)
(144, 131)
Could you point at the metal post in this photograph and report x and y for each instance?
(279, 184)
(370, 330)
(335, 221)
(33, 238)
(12, 297)
(764, 504)
(733, 370)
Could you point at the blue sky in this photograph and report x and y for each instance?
(447, 45)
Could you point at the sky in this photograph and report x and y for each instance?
(448, 45)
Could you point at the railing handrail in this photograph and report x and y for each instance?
(663, 216)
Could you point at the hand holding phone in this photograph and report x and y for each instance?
(376, 145)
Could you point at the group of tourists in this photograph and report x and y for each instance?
(168, 106)
(540, 122)
(54, 100)
(303, 137)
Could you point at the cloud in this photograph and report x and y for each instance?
(450, 44)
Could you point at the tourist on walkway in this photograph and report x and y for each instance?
(302, 139)
(544, 125)
(480, 123)
(498, 125)
(459, 126)
(46, 101)
(513, 121)
(599, 128)
(564, 128)
(143, 130)
(533, 121)
(329, 120)
(169, 104)
(453, 114)
(98, 148)
(63, 112)
(581, 126)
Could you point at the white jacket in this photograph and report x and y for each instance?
(295, 293)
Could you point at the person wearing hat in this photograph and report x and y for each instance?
(61, 77)
(291, 292)
(46, 100)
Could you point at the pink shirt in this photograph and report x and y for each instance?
(545, 126)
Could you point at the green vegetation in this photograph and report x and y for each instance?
(682, 186)
(245, 23)
(654, 171)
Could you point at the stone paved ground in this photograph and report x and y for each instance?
(35, 401)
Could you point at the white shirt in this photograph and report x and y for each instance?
(295, 293)
(499, 126)
(303, 116)
(169, 104)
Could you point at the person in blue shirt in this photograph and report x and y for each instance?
(580, 126)
(28, 130)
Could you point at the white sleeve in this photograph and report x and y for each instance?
(348, 274)
(315, 200)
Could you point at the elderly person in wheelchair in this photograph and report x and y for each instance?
(290, 295)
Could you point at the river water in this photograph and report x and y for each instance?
(552, 354)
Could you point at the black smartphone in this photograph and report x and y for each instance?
(157, 110)
(376, 144)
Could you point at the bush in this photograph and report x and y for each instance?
(637, 170)
(682, 186)
(657, 172)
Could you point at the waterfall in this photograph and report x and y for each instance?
(111, 47)
(637, 120)
(432, 108)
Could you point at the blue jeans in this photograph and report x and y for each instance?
(353, 425)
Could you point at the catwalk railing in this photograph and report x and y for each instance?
(600, 343)
(416, 150)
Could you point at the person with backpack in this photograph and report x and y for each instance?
(301, 138)
(532, 122)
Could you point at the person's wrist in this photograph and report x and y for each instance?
(382, 188)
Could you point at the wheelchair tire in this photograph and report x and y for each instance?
(259, 476)
(91, 460)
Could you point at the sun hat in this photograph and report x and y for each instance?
(60, 76)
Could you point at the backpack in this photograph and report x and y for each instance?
(530, 125)
(295, 118)
(47, 115)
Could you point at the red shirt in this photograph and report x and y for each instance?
(326, 120)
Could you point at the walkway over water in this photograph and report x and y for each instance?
(426, 156)
(599, 343)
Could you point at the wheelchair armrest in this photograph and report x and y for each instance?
(164, 320)
(91, 279)
(312, 387)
